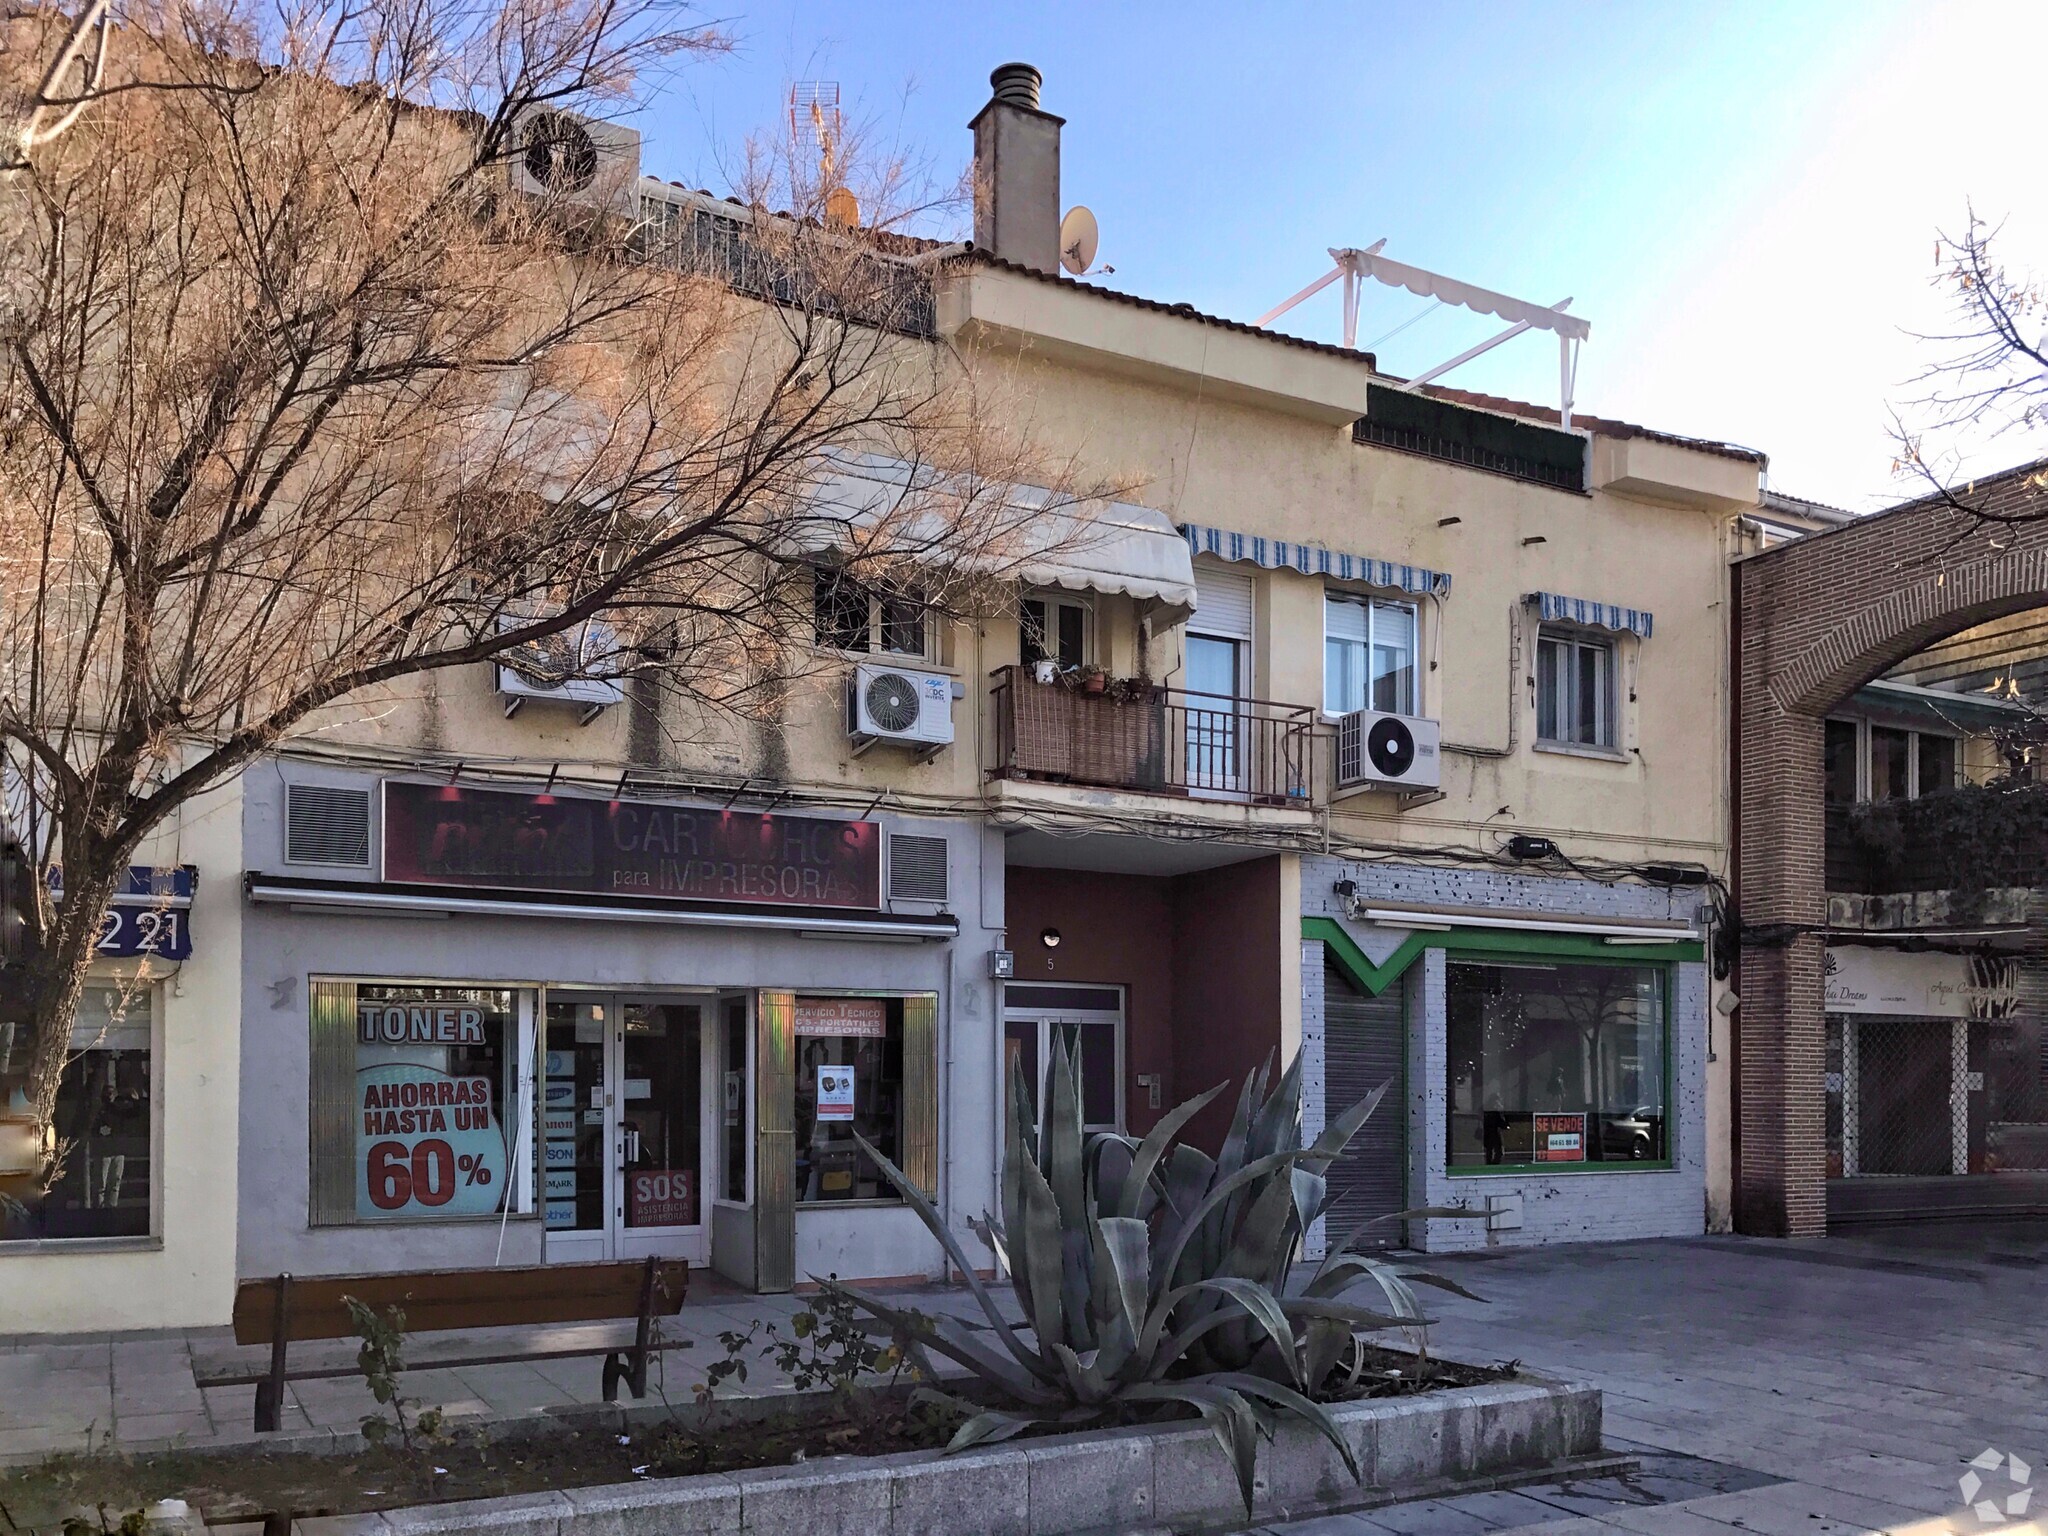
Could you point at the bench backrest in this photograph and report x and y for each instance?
(434, 1300)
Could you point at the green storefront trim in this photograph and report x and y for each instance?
(1373, 979)
(1342, 950)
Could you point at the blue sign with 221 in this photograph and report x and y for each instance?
(151, 914)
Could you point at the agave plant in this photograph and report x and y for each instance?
(1151, 1274)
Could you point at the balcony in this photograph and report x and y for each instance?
(1158, 741)
(1977, 838)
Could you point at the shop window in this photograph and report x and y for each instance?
(419, 1096)
(1556, 1065)
(735, 1091)
(849, 1078)
(1574, 690)
(1053, 629)
(1368, 655)
(851, 615)
(105, 1126)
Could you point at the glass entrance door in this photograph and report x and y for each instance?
(625, 1125)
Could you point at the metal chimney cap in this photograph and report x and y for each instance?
(1016, 84)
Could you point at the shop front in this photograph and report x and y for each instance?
(1546, 1040)
(549, 1028)
(1935, 1084)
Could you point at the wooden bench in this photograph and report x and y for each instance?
(624, 1300)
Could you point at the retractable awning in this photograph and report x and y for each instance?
(1019, 532)
(1556, 608)
(308, 894)
(1313, 560)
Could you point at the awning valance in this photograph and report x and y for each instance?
(1558, 609)
(1313, 560)
(1020, 532)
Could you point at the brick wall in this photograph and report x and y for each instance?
(1815, 620)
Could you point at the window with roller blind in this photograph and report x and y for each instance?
(1369, 648)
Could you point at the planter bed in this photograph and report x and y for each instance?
(566, 1474)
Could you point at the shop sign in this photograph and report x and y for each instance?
(835, 1093)
(444, 835)
(1861, 978)
(429, 1144)
(1558, 1138)
(861, 1018)
(150, 915)
(661, 1197)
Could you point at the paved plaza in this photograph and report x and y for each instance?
(1772, 1388)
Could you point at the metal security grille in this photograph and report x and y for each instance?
(326, 825)
(1362, 1048)
(1899, 1095)
(2016, 1095)
(917, 868)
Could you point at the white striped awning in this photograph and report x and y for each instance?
(1313, 560)
(1557, 608)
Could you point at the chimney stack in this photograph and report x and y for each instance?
(1017, 172)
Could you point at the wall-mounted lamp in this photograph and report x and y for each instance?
(1346, 888)
(1534, 539)
(1050, 938)
(1445, 522)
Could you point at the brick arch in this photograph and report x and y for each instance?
(1932, 607)
(1813, 621)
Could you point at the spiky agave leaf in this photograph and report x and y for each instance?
(1229, 1416)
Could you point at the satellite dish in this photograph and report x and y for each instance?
(1078, 239)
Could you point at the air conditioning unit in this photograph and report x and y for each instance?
(578, 667)
(571, 160)
(1397, 751)
(885, 703)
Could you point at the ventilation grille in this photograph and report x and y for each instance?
(917, 868)
(324, 825)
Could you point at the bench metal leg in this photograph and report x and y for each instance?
(270, 1392)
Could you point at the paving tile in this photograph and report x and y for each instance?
(1426, 1517)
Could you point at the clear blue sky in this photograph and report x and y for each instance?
(1741, 198)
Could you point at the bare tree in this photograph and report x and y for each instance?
(1991, 381)
(300, 399)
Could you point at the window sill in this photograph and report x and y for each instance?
(1573, 749)
(1524, 1170)
(50, 1245)
(853, 1205)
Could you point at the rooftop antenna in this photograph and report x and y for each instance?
(815, 119)
(1352, 264)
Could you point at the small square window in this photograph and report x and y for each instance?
(1574, 690)
(1368, 655)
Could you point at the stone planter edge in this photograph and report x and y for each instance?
(1173, 1477)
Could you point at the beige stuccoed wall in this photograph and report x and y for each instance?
(1242, 467)
(185, 1276)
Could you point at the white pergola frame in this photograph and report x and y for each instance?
(1352, 264)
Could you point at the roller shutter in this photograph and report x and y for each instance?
(1362, 1046)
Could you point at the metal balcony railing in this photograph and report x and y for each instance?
(1157, 740)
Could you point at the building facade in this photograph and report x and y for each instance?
(1381, 726)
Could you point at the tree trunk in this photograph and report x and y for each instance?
(94, 871)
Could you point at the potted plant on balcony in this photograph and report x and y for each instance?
(1094, 680)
